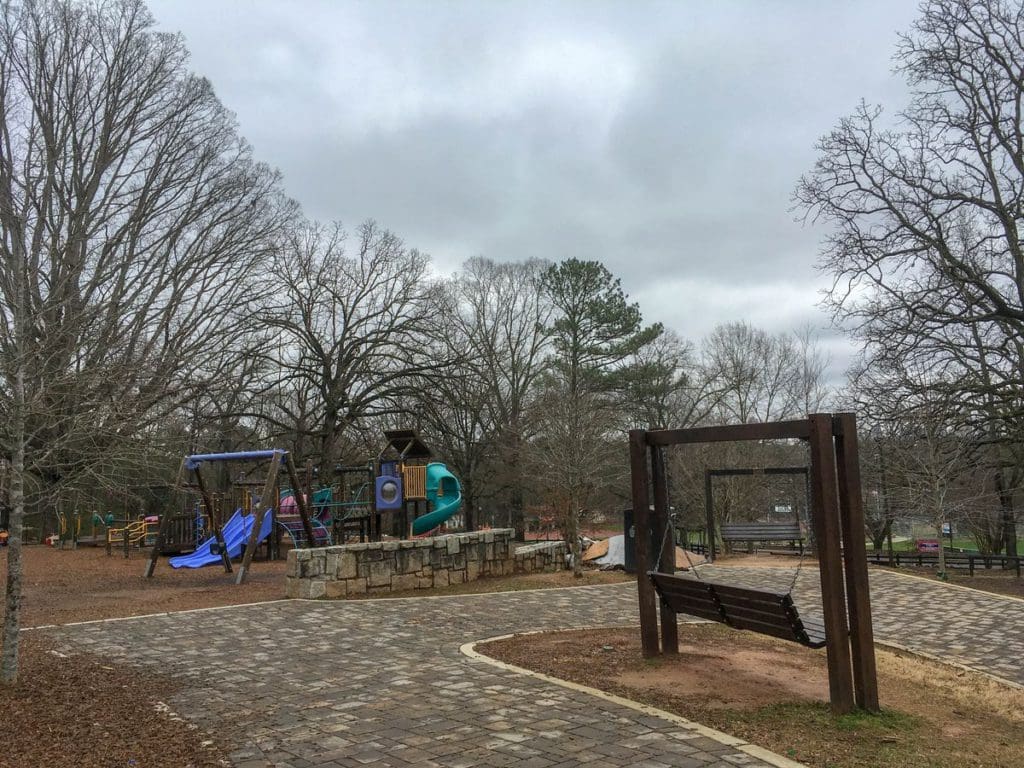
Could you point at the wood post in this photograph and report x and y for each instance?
(640, 476)
(855, 563)
(825, 519)
(303, 504)
(217, 532)
(709, 507)
(259, 513)
(662, 526)
(165, 523)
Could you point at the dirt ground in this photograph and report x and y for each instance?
(85, 584)
(775, 694)
(77, 712)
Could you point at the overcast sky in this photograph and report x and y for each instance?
(663, 139)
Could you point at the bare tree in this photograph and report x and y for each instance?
(505, 315)
(353, 328)
(131, 219)
(757, 376)
(925, 251)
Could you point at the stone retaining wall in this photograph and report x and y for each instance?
(542, 557)
(389, 566)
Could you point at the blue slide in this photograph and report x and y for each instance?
(236, 533)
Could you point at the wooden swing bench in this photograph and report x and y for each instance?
(755, 610)
(763, 532)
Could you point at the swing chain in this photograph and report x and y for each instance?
(670, 518)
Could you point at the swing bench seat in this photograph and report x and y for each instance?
(755, 610)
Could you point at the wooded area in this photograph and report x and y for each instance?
(160, 294)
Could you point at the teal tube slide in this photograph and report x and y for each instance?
(445, 496)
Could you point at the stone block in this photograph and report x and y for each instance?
(404, 582)
(472, 570)
(441, 578)
(457, 577)
(389, 546)
(410, 560)
(424, 582)
(335, 589)
(331, 560)
(356, 586)
(291, 587)
(347, 566)
(317, 588)
(379, 574)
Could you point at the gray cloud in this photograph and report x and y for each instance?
(662, 138)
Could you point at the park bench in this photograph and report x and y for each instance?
(755, 610)
(969, 560)
(763, 532)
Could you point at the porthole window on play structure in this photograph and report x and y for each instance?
(389, 491)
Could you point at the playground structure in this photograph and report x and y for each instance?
(408, 481)
(306, 517)
(837, 519)
(246, 529)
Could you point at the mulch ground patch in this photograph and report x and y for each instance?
(79, 712)
(85, 584)
(775, 694)
(60, 587)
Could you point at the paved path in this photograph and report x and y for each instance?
(383, 683)
(978, 629)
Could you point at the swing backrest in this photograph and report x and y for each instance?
(755, 610)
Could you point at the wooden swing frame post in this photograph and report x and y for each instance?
(836, 517)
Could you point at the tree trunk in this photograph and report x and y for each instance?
(1009, 522)
(12, 597)
(574, 542)
(878, 538)
(518, 520)
(942, 552)
(468, 504)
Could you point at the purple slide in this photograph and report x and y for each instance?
(236, 534)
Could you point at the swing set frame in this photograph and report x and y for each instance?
(837, 519)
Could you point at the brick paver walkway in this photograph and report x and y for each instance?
(383, 683)
(966, 626)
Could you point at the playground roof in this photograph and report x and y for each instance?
(407, 444)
